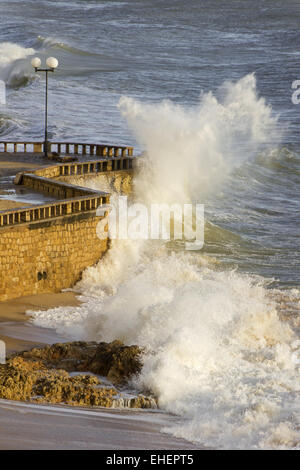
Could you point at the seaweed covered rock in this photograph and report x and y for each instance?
(22, 379)
(17, 377)
(73, 356)
(77, 390)
(42, 374)
(116, 361)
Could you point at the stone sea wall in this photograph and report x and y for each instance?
(46, 248)
(48, 256)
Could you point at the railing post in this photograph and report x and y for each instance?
(37, 147)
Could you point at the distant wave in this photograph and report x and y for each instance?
(7, 125)
(10, 52)
(55, 43)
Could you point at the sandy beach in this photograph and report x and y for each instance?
(30, 426)
(45, 427)
(15, 330)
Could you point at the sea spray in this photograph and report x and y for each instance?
(192, 150)
(216, 351)
(13, 70)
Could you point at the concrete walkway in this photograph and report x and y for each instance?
(12, 196)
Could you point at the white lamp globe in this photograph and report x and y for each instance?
(36, 62)
(52, 62)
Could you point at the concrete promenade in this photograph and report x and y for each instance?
(45, 247)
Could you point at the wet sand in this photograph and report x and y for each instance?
(41, 427)
(14, 310)
(15, 330)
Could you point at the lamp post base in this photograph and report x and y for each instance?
(46, 148)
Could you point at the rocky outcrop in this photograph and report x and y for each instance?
(116, 361)
(43, 374)
(74, 356)
(22, 379)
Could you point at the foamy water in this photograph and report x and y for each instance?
(216, 351)
(12, 66)
(193, 149)
(219, 351)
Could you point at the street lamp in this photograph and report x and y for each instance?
(52, 63)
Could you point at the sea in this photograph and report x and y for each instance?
(206, 92)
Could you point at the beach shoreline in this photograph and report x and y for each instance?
(15, 328)
(81, 427)
(61, 427)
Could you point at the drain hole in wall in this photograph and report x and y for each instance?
(41, 275)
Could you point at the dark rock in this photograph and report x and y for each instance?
(116, 361)
(41, 374)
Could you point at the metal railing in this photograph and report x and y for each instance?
(74, 199)
(68, 148)
(53, 209)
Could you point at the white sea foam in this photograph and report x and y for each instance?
(12, 69)
(216, 351)
(191, 150)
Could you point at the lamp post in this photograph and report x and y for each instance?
(52, 63)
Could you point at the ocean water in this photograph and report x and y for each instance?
(205, 88)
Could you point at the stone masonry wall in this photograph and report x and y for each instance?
(113, 181)
(48, 256)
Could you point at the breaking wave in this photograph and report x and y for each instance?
(218, 350)
(14, 68)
